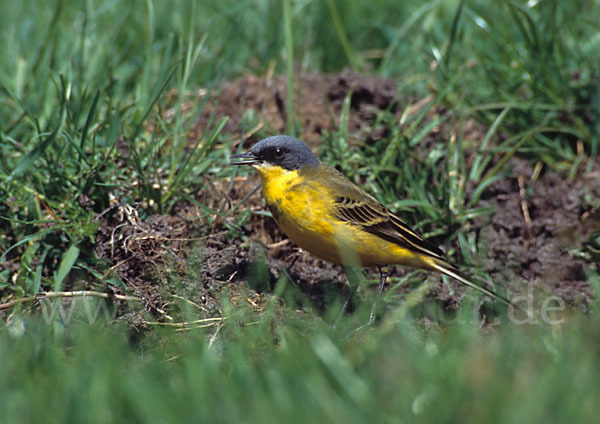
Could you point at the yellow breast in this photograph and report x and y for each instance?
(300, 210)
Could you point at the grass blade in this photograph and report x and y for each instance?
(355, 60)
(453, 31)
(32, 156)
(67, 262)
(289, 62)
(89, 119)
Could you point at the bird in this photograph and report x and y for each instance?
(329, 216)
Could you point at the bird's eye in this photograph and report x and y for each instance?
(278, 154)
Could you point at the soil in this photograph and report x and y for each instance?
(318, 102)
(543, 246)
(540, 236)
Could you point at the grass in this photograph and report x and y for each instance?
(268, 369)
(84, 91)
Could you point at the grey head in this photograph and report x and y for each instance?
(280, 150)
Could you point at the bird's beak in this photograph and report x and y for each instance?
(245, 159)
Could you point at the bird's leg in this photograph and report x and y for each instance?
(383, 271)
(294, 259)
(284, 270)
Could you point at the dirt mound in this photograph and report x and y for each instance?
(539, 234)
(318, 103)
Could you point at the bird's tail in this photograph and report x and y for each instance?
(446, 268)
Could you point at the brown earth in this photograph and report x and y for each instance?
(318, 103)
(543, 231)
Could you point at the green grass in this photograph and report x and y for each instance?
(269, 369)
(83, 82)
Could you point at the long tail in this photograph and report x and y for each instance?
(446, 268)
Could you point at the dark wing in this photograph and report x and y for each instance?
(376, 219)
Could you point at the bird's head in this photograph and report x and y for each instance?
(278, 151)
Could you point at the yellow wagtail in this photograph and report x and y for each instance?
(331, 217)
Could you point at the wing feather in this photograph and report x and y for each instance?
(379, 221)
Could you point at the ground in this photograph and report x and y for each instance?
(540, 233)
